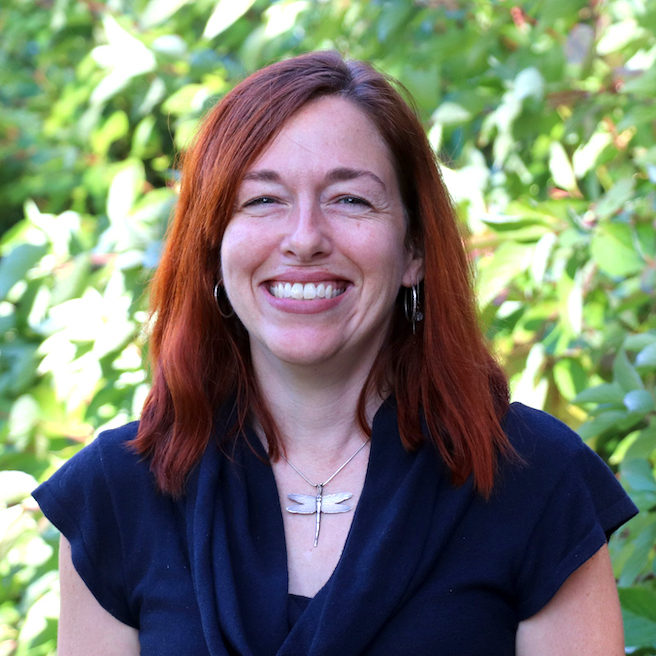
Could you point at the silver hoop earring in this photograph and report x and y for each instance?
(411, 307)
(217, 298)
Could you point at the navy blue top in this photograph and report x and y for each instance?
(427, 568)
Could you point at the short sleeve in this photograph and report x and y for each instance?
(584, 505)
(77, 499)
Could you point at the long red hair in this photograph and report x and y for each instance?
(443, 375)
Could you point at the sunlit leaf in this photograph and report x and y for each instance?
(15, 486)
(226, 12)
(23, 416)
(125, 56)
(639, 401)
(450, 112)
(529, 83)
(158, 11)
(613, 251)
(561, 168)
(618, 35)
(647, 357)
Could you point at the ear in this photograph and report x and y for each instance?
(414, 268)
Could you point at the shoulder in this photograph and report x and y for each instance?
(540, 439)
(97, 472)
(113, 449)
(555, 468)
(546, 452)
(110, 455)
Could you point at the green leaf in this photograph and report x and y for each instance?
(639, 401)
(643, 85)
(188, 99)
(625, 374)
(613, 251)
(18, 359)
(644, 445)
(638, 474)
(508, 261)
(642, 542)
(640, 601)
(114, 128)
(600, 424)
(615, 199)
(639, 341)
(570, 377)
(71, 282)
(17, 263)
(638, 630)
(604, 393)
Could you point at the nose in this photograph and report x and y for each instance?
(307, 237)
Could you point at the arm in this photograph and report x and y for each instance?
(85, 627)
(582, 619)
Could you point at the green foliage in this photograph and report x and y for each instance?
(543, 112)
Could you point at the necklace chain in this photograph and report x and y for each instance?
(321, 485)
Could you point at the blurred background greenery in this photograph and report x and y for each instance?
(543, 112)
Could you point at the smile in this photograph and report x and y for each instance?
(308, 291)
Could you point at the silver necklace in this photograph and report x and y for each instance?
(320, 503)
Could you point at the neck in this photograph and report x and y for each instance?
(315, 408)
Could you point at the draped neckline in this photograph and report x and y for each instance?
(238, 556)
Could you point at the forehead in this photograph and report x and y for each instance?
(327, 133)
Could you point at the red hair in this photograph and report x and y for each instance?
(444, 374)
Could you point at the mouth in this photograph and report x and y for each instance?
(308, 291)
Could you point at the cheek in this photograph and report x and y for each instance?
(383, 254)
(241, 251)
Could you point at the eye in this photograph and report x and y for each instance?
(261, 200)
(354, 200)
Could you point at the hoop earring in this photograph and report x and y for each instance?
(217, 290)
(411, 307)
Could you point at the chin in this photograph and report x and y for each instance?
(296, 355)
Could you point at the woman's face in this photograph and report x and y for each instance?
(314, 256)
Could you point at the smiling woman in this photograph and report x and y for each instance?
(319, 211)
(327, 462)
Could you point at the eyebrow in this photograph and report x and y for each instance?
(341, 174)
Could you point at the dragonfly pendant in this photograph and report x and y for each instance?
(321, 503)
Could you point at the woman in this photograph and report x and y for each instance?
(316, 351)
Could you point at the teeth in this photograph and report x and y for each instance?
(297, 291)
(307, 292)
